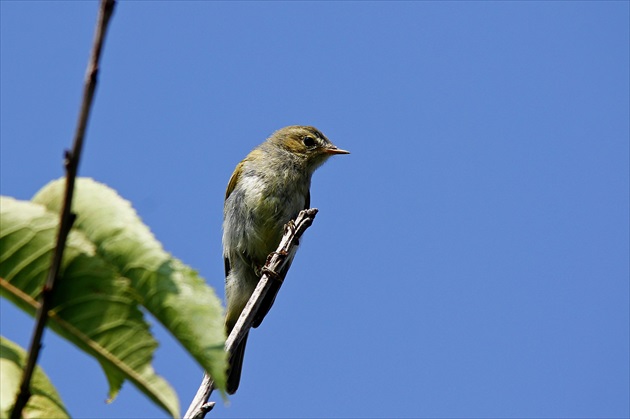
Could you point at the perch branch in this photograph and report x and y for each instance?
(71, 164)
(276, 268)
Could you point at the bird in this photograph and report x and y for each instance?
(268, 189)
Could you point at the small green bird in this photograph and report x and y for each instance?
(267, 189)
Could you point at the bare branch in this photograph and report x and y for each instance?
(276, 268)
(71, 164)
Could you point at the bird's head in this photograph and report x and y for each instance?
(305, 142)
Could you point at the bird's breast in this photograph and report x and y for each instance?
(256, 212)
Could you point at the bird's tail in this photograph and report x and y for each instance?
(236, 365)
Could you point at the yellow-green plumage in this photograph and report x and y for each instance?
(267, 189)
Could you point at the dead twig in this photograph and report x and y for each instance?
(275, 269)
(71, 164)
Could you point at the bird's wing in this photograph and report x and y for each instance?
(307, 205)
(230, 187)
(234, 179)
(226, 262)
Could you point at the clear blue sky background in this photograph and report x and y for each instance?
(470, 258)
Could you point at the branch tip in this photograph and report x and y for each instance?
(207, 407)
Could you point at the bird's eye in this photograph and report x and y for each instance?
(308, 141)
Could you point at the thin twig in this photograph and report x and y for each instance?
(71, 164)
(275, 269)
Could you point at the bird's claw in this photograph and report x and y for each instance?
(272, 274)
(290, 226)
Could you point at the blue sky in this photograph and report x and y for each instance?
(470, 257)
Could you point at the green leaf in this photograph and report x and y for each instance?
(44, 402)
(175, 294)
(94, 306)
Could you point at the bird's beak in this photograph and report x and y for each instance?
(335, 150)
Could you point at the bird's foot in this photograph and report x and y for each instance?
(273, 274)
(290, 226)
